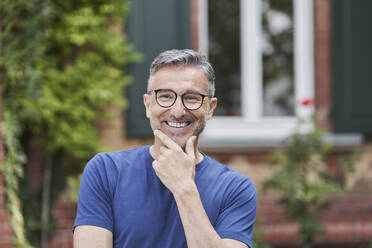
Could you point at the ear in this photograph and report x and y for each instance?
(146, 102)
(212, 107)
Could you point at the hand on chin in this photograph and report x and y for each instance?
(180, 140)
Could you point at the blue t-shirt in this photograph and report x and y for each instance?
(120, 191)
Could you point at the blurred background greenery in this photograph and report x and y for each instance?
(62, 63)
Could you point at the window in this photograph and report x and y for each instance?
(262, 51)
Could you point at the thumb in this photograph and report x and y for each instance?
(190, 147)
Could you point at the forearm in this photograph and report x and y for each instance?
(176, 170)
(92, 236)
(198, 229)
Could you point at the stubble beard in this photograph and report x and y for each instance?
(197, 131)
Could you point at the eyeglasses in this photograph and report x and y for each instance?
(190, 100)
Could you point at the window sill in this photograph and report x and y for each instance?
(237, 135)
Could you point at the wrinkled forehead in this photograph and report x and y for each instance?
(179, 78)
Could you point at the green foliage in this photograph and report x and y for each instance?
(302, 180)
(257, 243)
(61, 65)
(74, 183)
(81, 73)
(366, 245)
(19, 46)
(12, 171)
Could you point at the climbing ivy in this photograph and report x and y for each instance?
(12, 170)
(62, 63)
(19, 48)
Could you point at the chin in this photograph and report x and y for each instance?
(180, 142)
(183, 146)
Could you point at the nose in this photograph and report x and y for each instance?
(178, 110)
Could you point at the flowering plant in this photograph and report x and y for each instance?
(301, 177)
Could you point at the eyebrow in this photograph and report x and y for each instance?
(193, 91)
(186, 92)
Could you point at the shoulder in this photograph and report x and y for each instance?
(110, 164)
(237, 201)
(225, 173)
(103, 171)
(232, 182)
(110, 160)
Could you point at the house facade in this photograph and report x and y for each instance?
(270, 56)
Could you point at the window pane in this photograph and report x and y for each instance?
(277, 39)
(224, 53)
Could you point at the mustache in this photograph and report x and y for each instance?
(185, 118)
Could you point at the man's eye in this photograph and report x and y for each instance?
(192, 98)
(165, 96)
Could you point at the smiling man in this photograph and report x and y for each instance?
(168, 194)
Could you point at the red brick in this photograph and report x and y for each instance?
(64, 214)
(347, 220)
(195, 24)
(322, 57)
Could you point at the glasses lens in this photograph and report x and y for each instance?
(165, 98)
(192, 101)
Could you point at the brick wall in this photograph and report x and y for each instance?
(322, 63)
(64, 213)
(347, 222)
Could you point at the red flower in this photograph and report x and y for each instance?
(307, 102)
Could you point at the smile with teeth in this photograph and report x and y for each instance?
(177, 124)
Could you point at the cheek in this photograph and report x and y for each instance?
(207, 113)
(151, 108)
(153, 113)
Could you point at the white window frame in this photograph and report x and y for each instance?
(252, 128)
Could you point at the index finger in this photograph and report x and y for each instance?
(168, 142)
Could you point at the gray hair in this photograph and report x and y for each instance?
(183, 58)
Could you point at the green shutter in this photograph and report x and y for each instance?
(352, 66)
(153, 26)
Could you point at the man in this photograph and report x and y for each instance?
(169, 194)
